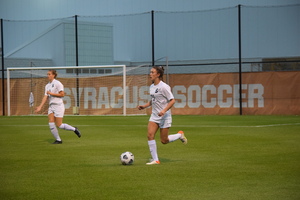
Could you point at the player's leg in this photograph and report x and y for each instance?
(53, 128)
(179, 135)
(61, 125)
(165, 138)
(152, 129)
(59, 113)
(164, 132)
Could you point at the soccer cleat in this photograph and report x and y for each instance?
(153, 162)
(77, 132)
(182, 138)
(57, 142)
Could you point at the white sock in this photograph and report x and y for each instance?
(67, 127)
(153, 149)
(174, 137)
(54, 131)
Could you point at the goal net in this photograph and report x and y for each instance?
(89, 90)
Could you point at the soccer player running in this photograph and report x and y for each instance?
(161, 101)
(54, 91)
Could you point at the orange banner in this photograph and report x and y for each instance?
(263, 93)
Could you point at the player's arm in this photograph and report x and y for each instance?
(168, 107)
(145, 106)
(44, 100)
(60, 94)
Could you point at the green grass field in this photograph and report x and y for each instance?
(227, 157)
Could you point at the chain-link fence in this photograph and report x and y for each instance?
(233, 40)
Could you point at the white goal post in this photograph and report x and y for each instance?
(103, 88)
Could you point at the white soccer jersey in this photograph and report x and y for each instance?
(160, 97)
(55, 87)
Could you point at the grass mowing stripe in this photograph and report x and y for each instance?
(207, 126)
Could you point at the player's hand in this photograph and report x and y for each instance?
(37, 109)
(140, 107)
(161, 113)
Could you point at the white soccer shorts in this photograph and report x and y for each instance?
(163, 122)
(57, 109)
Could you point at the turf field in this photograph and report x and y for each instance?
(227, 157)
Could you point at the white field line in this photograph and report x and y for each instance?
(204, 126)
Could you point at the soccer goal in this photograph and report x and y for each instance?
(89, 90)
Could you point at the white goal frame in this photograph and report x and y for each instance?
(66, 67)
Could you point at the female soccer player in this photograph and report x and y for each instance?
(54, 91)
(161, 101)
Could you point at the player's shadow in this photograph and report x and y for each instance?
(50, 141)
(166, 160)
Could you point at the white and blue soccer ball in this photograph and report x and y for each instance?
(127, 158)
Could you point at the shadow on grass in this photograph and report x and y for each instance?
(166, 160)
(50, 141)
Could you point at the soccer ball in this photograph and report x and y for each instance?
(127, 158)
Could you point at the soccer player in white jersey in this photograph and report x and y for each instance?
(161, 101)
(54, 91)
